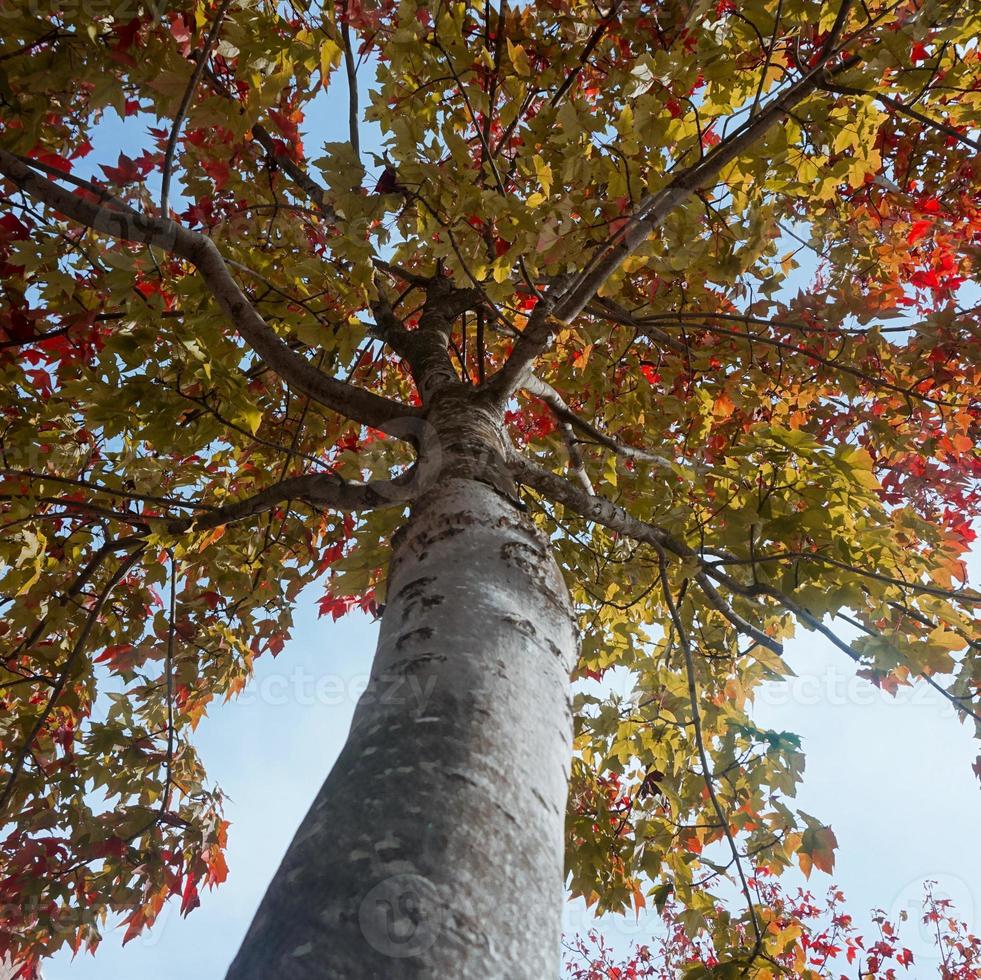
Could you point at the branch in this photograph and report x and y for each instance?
(702, 754)
(741, 625)
(544, 391)
(352, 89)
(192, 86)
(21, 756)
(592, 507)
(296, 173)
(577, 466)
(74, 589)
(815, 624)
(316, 489)
(594, 39)
(653, 209)
(603, 511)
(99, 488)
(783, 345)
(905, 110)
(968, 597)
(425, 349)
(354, 403)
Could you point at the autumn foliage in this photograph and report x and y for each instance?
(712, 262)
(813, 938)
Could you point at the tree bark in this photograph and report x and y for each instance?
(435, 847)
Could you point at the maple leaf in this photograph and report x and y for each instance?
(817, 849)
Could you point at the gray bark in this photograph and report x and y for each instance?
(435, 847)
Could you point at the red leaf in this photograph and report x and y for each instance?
(51, 159)
(925, 280)
(189, 897)
(710, 138)
(918, 52)
(82, 150)
(919, 230)
(134, 925)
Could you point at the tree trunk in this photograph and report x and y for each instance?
(435, 847)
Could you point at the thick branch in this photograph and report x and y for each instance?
(741, 625)
(652, 210)
(426, 349)
(592, 507)
(603, 511)
(317, 489)
(354, 403)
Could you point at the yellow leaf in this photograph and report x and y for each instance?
(944, 638)
(544, 173)
(845, 139)
(330, 57)
(501, 270)
(252, 417)
(519, 59)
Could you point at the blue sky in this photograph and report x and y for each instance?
(892, 777)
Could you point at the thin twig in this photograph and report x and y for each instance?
(59, 685)
(702, 754)
(352, 90)
(192, 86)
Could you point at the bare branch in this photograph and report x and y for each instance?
(320, 490)
(352, 90)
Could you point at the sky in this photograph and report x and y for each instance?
(892, 777)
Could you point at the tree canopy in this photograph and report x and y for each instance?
(217, 357)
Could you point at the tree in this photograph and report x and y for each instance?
(533, 385)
